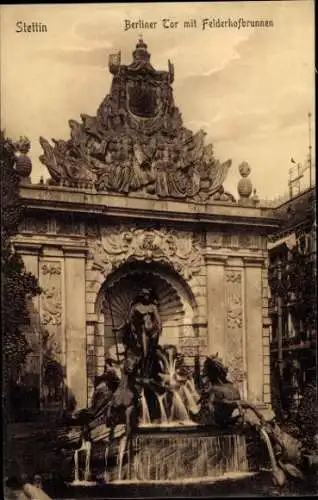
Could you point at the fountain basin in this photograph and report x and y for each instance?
(176, 451)
(164, 453)
(242, 485)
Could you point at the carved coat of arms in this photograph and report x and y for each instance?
(142, 99)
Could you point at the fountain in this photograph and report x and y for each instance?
(157, 425)
(85, 449)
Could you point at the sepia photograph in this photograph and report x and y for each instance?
(158, 250)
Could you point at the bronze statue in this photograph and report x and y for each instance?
(145, 327)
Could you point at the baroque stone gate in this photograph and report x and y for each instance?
(136, 199)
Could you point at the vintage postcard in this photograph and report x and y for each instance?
(158, 250)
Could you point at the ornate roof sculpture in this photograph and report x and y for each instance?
(137, 142)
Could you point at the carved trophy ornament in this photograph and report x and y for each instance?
(137, 142)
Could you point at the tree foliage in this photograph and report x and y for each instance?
(307, 417)
(17, 285)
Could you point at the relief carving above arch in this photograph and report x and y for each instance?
(182, 250)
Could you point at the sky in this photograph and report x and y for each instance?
(250, 89)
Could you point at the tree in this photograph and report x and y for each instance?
(17, 285)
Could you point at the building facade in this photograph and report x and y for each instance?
(293, 301)
(135, 199)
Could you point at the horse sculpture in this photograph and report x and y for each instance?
(124, 407)
(221, 405)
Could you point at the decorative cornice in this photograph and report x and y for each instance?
(91, 318)
(198, 323)
(51, 251)
(133, 208)
(27, 248)
(74, 251)
(253, 260)
(234, 262)
(214, 259)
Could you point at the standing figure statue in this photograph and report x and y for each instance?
(145, 328)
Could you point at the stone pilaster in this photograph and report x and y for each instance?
(216, 303)
(254, 326)
(91, 364)
(235, 341)
(30, 256)
(75, 324)
(266, 336)
(52, 327)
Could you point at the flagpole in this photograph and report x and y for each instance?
(309, 150)
(290, 183)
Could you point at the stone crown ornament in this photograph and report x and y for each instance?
(137, 142)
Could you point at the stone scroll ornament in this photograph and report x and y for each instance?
(120, 244)
(137, 142)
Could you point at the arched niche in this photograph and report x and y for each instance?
(176, 302)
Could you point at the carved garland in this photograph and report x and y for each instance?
(51, 294)
(120, 244)
(52, 346)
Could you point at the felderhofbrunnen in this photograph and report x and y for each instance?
(151, 335)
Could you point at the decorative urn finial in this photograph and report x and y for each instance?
(23, 163)
(244, 186)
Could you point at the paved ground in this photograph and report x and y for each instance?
(259, 485)
(254, 485)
